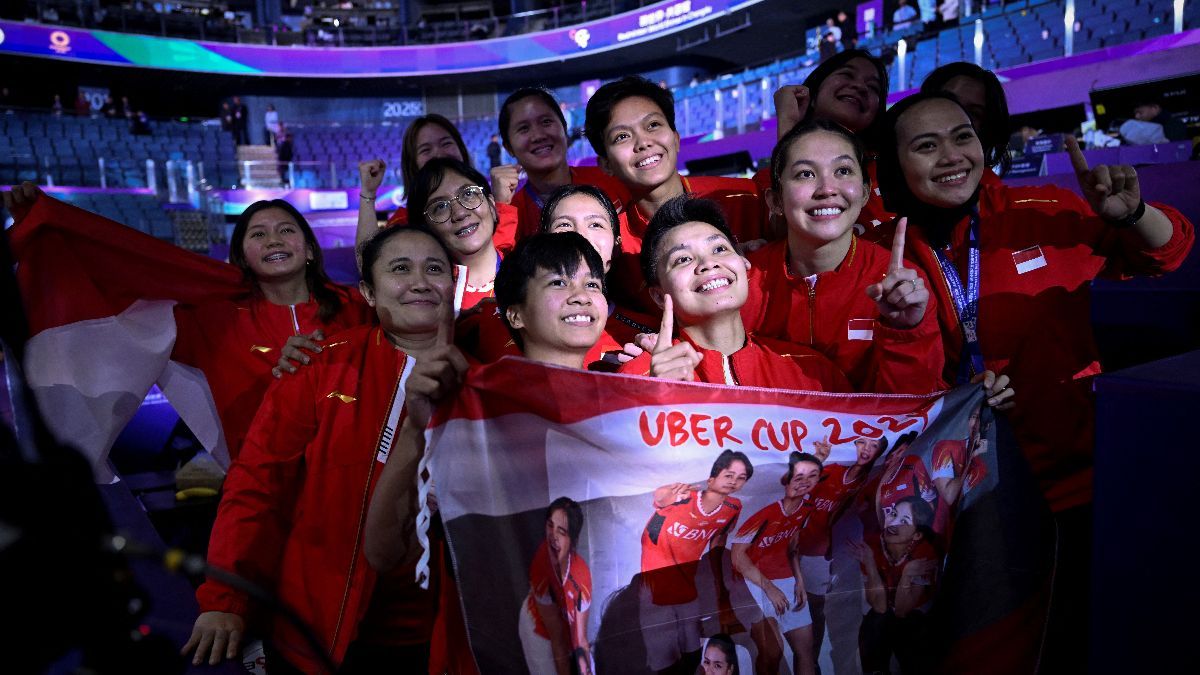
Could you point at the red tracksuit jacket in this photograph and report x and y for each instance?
(835, 317)
(763, 363)
(745, 212)
(1040, 249)
(295, 502)
(237, 344)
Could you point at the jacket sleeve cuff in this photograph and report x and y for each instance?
(213, 596)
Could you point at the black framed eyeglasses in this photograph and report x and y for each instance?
(469, 197)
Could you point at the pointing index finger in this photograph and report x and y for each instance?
(897, 262)
(1078, 161)
(667, 328)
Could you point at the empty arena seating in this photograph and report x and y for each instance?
(96, 151)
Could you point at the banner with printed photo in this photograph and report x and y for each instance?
(615, 524)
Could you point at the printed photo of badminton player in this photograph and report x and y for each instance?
(957, 466)
(900, 570)
(763, 555)
(904, 475)
(687, 522)
(554, 617)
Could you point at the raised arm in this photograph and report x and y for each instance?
(370, 177)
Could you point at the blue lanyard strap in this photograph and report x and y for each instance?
(537, 199)
(966, 301)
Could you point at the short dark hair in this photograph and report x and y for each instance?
(430, 177)
(572, 189)
(871, 135)
(600, 106)
(408, 150)
(794, 459)
(559, 253)
(520, 95)
(995, 105)
(779, 154)
(678, 211)
(329, 303)
(373, 248)
(574, 514)
(904, 440)
(727, 458)
(897, 197)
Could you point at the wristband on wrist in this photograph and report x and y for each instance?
(1133, 218)
(365, 198)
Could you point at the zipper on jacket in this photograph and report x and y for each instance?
(358, 541)
(812, 310)
(727, 369)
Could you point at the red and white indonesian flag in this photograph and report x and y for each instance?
(99, 297)
(522, 435)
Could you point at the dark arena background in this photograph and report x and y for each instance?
(172, 117)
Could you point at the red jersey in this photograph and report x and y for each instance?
(949, 457)
(769, 533)
(829, 499)
(572, 594)
(1040, 248)
(528, 206)
(910, 479)
(745, 212)
(976, 472)
(503, 238)
(891, 571)
(761, 363)
(237, 343)
(295, 502)
(831, 313)
(674, 540)
(949, 461)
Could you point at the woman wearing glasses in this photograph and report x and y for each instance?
(454, 201)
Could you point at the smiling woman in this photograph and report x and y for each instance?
(534, 130)
(309, 468)
(291, 299)
(631, 126)
(550, 292)
(697, 275)
(1014, 266)
(821, 285)
(455, 202)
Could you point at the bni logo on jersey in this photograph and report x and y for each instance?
(581, 36)
(60, 42)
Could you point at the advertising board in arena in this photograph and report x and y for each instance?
(147, 51)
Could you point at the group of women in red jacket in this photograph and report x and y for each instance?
(879, 252)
